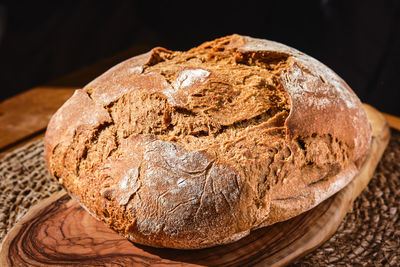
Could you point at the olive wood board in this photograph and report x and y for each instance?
(58, 232)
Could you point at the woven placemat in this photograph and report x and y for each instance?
(369, 235)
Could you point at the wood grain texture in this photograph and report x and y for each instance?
(59, 232)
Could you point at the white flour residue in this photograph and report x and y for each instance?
(185, 79)
(129, 180)
(321, 102)
(348, 97)
(136, 70)
(338, 88)
(189, 77)
(174, 168)
(297, 84)
(169, 93)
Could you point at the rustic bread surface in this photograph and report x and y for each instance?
(194, 149)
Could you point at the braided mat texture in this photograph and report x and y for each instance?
(368, 236)
(24, 180)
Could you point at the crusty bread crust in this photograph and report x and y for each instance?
(195, 149)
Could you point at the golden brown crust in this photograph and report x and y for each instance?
(194, 149)
(321, 104)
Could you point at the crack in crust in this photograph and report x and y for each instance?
(191, 149)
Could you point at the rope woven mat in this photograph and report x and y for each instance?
(369, 234)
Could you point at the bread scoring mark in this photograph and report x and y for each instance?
(113, 84)
(349, 99)
(346, 106)
(71, 130)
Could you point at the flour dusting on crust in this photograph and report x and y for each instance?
(190, 76)
(337, 87)
(194, 149)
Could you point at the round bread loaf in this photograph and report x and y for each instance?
(194, 149)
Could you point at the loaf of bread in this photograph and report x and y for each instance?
(195, 149)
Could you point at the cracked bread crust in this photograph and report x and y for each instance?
(195, 149)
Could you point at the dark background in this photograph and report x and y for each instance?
(360, 40)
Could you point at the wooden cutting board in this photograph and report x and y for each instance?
(58, 231)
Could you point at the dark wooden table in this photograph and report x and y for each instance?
(24, 117)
